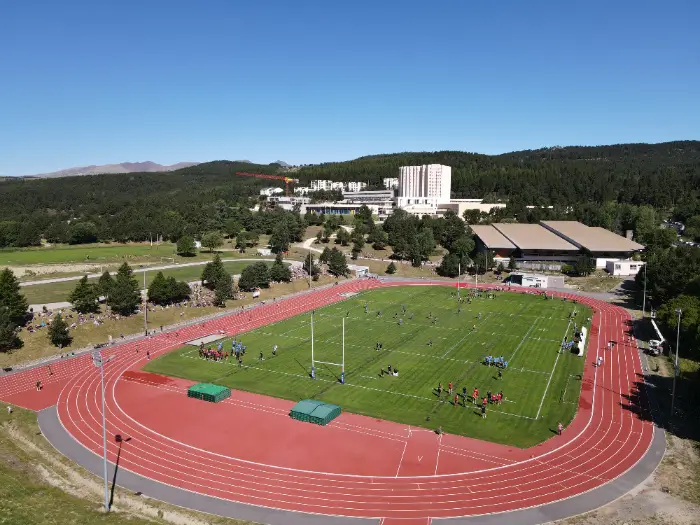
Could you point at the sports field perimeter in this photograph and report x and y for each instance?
(541, 386)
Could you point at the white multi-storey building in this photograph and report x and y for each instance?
(269, 192)
(302, 190)
(424, 186)
(391, 183)
(356, 186)
(338, 186)
(318, 185)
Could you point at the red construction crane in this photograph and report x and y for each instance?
(286, 180)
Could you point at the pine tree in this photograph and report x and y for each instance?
(279, 272)
(11, 299)
(84, 297)
(105, 284)
(223, 292)
(213, 271)
(124, 296)
(391, 269)
(157, 290)
(511, 264)
(58, 332)
(338, 264)
(8, 332)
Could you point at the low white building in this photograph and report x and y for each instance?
(269, 192)
(624, 268)
(302, 190)
(531, 280)
(356, 186)
(391, 183)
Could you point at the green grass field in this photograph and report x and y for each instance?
(59, 292)
(541, 386)
(97, 253)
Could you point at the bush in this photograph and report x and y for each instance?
(391, 269)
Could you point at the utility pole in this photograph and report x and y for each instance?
(145, 304)
(644, 300)
(459, 272)
(98, 361)
(675, 365)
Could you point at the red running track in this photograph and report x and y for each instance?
(248, 450)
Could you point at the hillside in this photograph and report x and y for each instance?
(656, 174)
(200, 198)
(124, 167)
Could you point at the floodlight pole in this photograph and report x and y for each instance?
(644, 300)
(342, 372)
(98, 361)
(313, 366)
(145, 305)
(675, 365)
(459, 272)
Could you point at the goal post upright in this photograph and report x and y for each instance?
(342, 370)
(313, 366)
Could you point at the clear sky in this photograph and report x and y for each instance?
(95, 82)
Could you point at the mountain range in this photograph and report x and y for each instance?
(124, 167)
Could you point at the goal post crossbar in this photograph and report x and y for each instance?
(314, 361)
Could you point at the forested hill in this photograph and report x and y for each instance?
(656, 174)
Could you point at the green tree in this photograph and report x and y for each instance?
(356, 251)
(280, 238)
(105, 284)
(511, 264)
(124, 296)
(9, 339)
(58, 332)
(212, 240)
(501, 267)
(391, 269)
(254, 276)
(310, 267)
(84, 297)
(82, 233)
(242, 241)
(325, 256)
(378, 238)
(186, 246)
(584, 266)
(279, 272)
(337, 263)
(11, 299)
(449, 266)
(463, 246)
(232, 228)
(223, 292)
(342, 237)
(213, 272)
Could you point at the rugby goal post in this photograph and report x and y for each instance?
(314, 361)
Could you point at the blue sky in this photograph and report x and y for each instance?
(96, 82)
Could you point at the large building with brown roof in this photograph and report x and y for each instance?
(560, 241)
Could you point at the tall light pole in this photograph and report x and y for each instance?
(675, 364)
(644, 300)
(99, 362)
(145, 305)
(459, 272)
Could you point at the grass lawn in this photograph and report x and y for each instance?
(40, 486)
(97, 253)
(541, 386)
(59, 292)
(37, 345)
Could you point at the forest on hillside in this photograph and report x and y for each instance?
(609, 186)
(661, 175)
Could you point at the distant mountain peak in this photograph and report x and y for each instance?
(124, 167)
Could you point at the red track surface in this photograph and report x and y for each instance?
(247, 449)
